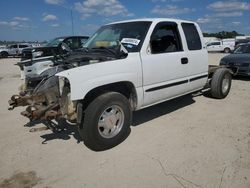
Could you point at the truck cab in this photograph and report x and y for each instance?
(167, 58)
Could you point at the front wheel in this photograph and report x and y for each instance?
(106, 121)
(221, 83)
(227, 50)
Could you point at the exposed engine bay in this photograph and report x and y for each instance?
(44, 99)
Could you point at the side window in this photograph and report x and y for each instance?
(13, 46)
(217, 43)
(165, 38)
(82, 41)
(192, 36)
(23, 46)
(72, 43)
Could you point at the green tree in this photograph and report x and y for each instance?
(223, 34)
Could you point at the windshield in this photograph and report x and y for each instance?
(130, 34)
(55, 42)
(243, 49)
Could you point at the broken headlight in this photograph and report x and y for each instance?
(61, 84)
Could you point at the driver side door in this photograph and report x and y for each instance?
(165, 65)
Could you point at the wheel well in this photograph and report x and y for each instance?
(4, 52)
(125, 88)
(213, 69)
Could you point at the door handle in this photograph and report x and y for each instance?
(184, 60)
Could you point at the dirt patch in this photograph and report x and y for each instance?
(1, 78)
(15, 76)
(21, 180)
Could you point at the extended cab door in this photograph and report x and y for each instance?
(165, 64)
(197, 56)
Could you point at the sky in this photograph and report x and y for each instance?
(39, 20)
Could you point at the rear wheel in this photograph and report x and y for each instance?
(221, 83)
(107, 121)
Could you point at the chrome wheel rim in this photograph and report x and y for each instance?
(225, 83)
(111, 121)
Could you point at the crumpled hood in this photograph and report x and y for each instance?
(92, 56)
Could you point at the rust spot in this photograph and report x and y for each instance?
(21, 180)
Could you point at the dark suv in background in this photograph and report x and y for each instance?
(53, 47)
(241, 41)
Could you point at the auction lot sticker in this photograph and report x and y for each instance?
(131, 41)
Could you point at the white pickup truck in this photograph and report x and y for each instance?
(167, 58)
(13, 50)
(126, 66)
(221, 46)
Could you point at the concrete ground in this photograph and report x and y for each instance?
(188, 142)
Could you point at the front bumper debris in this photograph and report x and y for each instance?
(36, 108)
(19, 100)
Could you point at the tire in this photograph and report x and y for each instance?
(4, 54)
(227, 50)
(107, 121)
(221, 83)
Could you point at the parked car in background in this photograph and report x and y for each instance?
(13, 50)
(239, 60)
(38, 59)
(226, 46)
(241, 41)
(53, 47)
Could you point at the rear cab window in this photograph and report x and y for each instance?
(192, 36)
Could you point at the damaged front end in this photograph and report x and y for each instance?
(50, 99)
(42, 104)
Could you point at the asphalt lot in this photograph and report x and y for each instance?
(190, 142)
